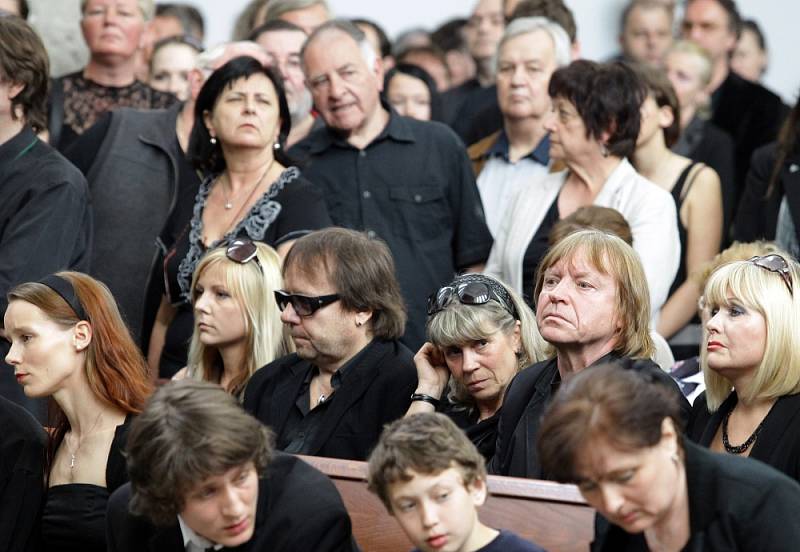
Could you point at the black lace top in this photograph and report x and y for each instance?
(85, 101)
(290, 208)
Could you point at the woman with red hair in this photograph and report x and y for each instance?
(68, 342)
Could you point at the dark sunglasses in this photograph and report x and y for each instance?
(776, 263)
(471, 293)
(304, 305)
(243, 251)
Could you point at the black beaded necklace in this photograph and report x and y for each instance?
(744, 446)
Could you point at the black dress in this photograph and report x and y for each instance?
(482, 433)
(289, 209)
(74, 516)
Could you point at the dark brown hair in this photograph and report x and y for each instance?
(608, 98)
(116, 371)
(660, 87)
(427, 443)
(734, 17)
(616, 402)
(190, 430)
(362, 271)
(592, 217)
(554, 10)
(23, 60)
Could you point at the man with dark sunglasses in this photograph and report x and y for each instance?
(350, 375)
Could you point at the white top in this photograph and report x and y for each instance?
(192, 542)
(649, 210)
(500, 181)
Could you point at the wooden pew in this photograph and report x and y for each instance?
(554, 516)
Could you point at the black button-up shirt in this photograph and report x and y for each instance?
(413, 187)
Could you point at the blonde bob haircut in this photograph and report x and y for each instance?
(765, 292)
(252, 287)
(611, 256)
(458, 324)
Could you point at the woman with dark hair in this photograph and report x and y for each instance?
(412, 92)
(68, 342)
(480, 335)
(618, 437)
(251, 191)
(694, 187)
(772, 187)
(594, 127)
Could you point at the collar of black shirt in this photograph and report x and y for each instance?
(341, 374)
(398, 129)
(17, 146)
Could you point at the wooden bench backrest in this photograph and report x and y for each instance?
(552, 515)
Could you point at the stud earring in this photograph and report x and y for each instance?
(604, 150)
(276, 146)
(213, 140)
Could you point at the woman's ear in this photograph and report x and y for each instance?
(516, 337)
(208, 123)
(82, 335)
(665, 116)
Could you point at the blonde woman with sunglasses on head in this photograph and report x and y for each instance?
(237, 322)
(752, 363)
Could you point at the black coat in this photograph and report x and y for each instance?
(377, 391)
(22, 446)
(778, 443)
(298, 509)
(757, 218)
(527, 397)
(734, 504)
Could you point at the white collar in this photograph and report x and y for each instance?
(190, 536)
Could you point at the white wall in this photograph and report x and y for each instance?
(597, 26)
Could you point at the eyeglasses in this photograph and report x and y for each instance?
(471, 292)
(243, 251)
(304, 305)
(776, 263)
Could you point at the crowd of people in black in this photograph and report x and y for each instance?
(467, 251)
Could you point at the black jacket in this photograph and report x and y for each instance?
(298, 509)
(377, 391)
(778, 443)
(734, 504)
(527, 397)
(22, 446)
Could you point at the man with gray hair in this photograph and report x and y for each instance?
(306, 14)
(139, 177)
(408, 182)
(518, 155)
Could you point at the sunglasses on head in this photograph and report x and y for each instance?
(776, 263)
(304, 305)
(471, 292)
(242, 251)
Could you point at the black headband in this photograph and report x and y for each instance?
(65, 289)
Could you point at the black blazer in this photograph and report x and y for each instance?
(778, 443)
(527, 397)
(298, 509)
(734, 504)
(376, 391)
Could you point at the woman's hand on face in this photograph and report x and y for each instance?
(432, 371)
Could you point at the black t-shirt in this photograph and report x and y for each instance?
(537, 248)
(290, 208)
(482, 433)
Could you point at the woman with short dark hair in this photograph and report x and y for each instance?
(616, 435)
(412, 92)
(593, 130)
(68, 342)
(252, 191)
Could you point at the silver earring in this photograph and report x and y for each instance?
(604, 150)
(675, 459)
(276, 146)
(213, 141)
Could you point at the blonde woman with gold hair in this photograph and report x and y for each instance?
(237, 322)
(752, 363)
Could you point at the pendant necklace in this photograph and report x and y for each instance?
(73, 452)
